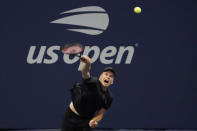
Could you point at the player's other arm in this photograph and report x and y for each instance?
(99, 115)
(97, 118)
(86, 66)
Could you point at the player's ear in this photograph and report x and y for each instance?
(112, 82)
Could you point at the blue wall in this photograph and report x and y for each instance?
(155, 89)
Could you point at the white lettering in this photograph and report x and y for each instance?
(52, 54)
(108, 51)
(121, 51)
(40, 56)
(106, 55)
(70, 61)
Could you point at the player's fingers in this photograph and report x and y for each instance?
(87, 59)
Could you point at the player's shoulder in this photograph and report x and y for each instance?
(91, 80)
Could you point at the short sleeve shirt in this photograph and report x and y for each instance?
(88, 97)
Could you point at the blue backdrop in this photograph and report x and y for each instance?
(153, 52)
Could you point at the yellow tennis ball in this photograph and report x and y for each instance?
(137, 10)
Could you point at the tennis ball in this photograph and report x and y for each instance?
(137, 10)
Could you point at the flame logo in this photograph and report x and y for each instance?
(91, 20)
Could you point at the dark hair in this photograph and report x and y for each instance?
(110, 69)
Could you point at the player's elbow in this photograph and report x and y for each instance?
(85, 75)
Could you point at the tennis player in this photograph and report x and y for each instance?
(90, 99)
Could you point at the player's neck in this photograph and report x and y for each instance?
(104, 88)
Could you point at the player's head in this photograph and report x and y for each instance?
(107, 76)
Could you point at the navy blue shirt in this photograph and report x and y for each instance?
(88, 97)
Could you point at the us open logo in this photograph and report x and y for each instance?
(91, 20)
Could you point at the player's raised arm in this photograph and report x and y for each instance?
(86, 66)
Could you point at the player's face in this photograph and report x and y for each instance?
(106, 78)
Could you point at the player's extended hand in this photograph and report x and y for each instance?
(85, 59)
(93, 123)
